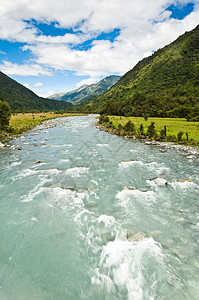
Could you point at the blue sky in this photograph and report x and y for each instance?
(57, 46)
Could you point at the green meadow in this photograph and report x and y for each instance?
(173, 125)
(22, 122)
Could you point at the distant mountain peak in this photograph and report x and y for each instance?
(85, 91)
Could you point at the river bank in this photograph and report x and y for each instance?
(187, 149)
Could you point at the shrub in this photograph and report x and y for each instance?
(141, 129)
(171, 138)
(120, 126)
(163, 132)
(151, 132)
(106, 119)
(180, 134)
(129, 126)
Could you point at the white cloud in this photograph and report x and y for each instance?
(38, 84)
(32, 69)
(87, 81)
(45, 94)
(144, 25)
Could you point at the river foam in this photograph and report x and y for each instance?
(123, 265)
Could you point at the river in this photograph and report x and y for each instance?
(80, 221)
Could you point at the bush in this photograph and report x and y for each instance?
(5, 115)
(195, 119)
(151, 132)
(180, 134)
(141, 129)
(120, 126)
(163, 132)
(129, 126)
(171, 138)
(103, 119)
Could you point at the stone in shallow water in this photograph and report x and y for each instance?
(131, 188)
(137, 237)
(184, 180)
(143, 190)
(160, 181)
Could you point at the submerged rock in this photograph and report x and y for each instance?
(129, 160)
(143, 190)
(131, 188)
(137, 237)
(184, 180)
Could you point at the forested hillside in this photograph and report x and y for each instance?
(22, 99)
(165, 84)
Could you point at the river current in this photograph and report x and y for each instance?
(82, 218)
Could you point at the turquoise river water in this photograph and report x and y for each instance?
(77, 221)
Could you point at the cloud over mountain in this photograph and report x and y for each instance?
(84, 39)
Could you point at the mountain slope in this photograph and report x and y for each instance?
(21, 98)
(164, 84)
(87, 91)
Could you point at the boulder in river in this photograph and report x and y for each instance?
(160, 181)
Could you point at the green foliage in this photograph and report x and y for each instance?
(129, 126)
(120, 127)
(151, 130)
(103, 119)
(141, 129)
(162, 85)
(180, 134)
(163, 132)
(160, 131)
(5, 115)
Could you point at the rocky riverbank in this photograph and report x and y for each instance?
(187, 150)
(43, 126)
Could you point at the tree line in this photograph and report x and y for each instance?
(5, 115)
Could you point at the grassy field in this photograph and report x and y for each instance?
(23, 122)
(173, 125)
